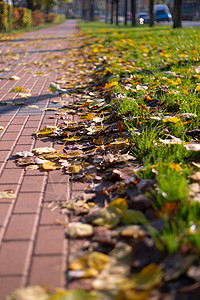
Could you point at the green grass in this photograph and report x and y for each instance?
(157, 74)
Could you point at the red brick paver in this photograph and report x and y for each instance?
(33, 248)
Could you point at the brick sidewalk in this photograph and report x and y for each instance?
(33, 248)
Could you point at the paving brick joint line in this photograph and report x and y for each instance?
(33, 248)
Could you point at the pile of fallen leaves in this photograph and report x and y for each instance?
(124, 258)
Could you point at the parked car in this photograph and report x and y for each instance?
(143, 17)
(162, 13)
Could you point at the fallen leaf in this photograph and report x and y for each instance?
(133, 231)
(29, 293)
(19, 103)
(192, 147)
(50, 166)
(130, 216)
(25, 95)
(196, 165)
(43, 150)
(73, 168)
(77, 294)
(171, 120)
(32, 167)
(8, 103)
(23, 161)
(24, 153)
(118, 205)
(96, 260)
(40, 161)
(177, 264)
(196, 176)
(8, 194)
(73, 138)
(107, 217)
(149, 277)
(74, 154)
(46, 131)
(77, 229)
(32, 106)
(18, 89)
(54, 87)
(14, 78)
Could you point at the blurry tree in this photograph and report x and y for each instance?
(91, 10)
(112, 12)
(125, 11)
(106, 10)
(133, 12)
(151, 15)
(177, 16)
(117, 12)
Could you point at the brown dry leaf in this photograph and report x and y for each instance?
(32, 106)
(90, 264)
(74, 154)
(14, 78)
(8, 194)
(116, 270)
(107, 217)
(29, 293)
(192, 147)
(133, 231)
(119, 142)
(196, 176)
(46, 131)
(23, 161)
(50, 166)
(43, 150)
(196, 165)
(114, 158)
(132, 294)
(79, 230)
(74, 168)
(24, 153)
(73, 138)
(173, 140)
(195, 187)
(32, 167)
(25, 95)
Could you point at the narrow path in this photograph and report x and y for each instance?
(33, 249)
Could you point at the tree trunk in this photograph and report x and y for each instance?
(106, 10)
(125, 11)
(133, 11)
(151, 14)
(177, 14)
(84, 11)
(117, 12)
(91, 10)
(112, 11)
(30, 4)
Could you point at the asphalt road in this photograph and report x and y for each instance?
(184, 23)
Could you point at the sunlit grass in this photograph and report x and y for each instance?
(158, 77)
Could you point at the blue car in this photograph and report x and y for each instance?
(162, 13)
